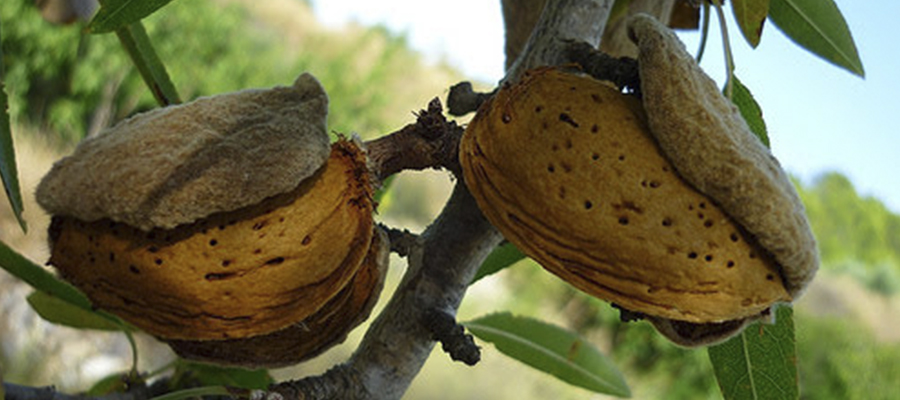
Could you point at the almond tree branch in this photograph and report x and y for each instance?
(463, 99)
(430, 142)
(562, 20)
(449, 252)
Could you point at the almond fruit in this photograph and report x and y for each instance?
(704, 136)
(239, 244)
(566, 168)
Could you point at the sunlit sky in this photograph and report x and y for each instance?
(820, 117)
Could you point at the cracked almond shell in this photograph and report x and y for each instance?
(306, 339)
(231, 275)
(246, 240)
(565, 167)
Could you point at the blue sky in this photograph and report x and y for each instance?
(820, 117)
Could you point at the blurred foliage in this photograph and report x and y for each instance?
(857, 235)
(73, 83)
(842, 360)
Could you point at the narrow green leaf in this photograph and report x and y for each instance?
(750, 110)
(216, 375)
(818, 26)
(8, 171)
(111, 384)
(39, 278)
(60, 312)
(551, 349)
(502, 257)
(115, 14)
(750, 16)
(44, 281)
(195, 393)
(760, 363)
(135, 41)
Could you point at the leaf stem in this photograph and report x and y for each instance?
(704, 32)
(134, 351)
(726, 43)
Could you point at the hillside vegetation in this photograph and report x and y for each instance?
(857, 235)
(73, 84)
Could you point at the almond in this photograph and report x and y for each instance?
(566, 168)
(221, 227)
(704, 136)
(231, 275)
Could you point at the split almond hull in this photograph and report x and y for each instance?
(564, 167)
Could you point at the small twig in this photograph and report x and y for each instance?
(452, 336)
(463, 99)
(335, 383)
(430, 142)
(621, 71)
(402, 241)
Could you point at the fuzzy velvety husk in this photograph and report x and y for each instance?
(178, 164)
(704, 136)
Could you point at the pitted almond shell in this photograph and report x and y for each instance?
(747, 182)
(237, 274)
(563, 165)
(306, 339)
(174, 165)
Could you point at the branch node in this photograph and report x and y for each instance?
(621, 71)
(430, 142)
(452, 336)
(462, 99)
(402, 241)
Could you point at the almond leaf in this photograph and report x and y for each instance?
(750, 16)
(61, 312)
(818, 26)
(115, 14)
(760, 363)
(8, 171)
(551, 349)
(503, 256)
